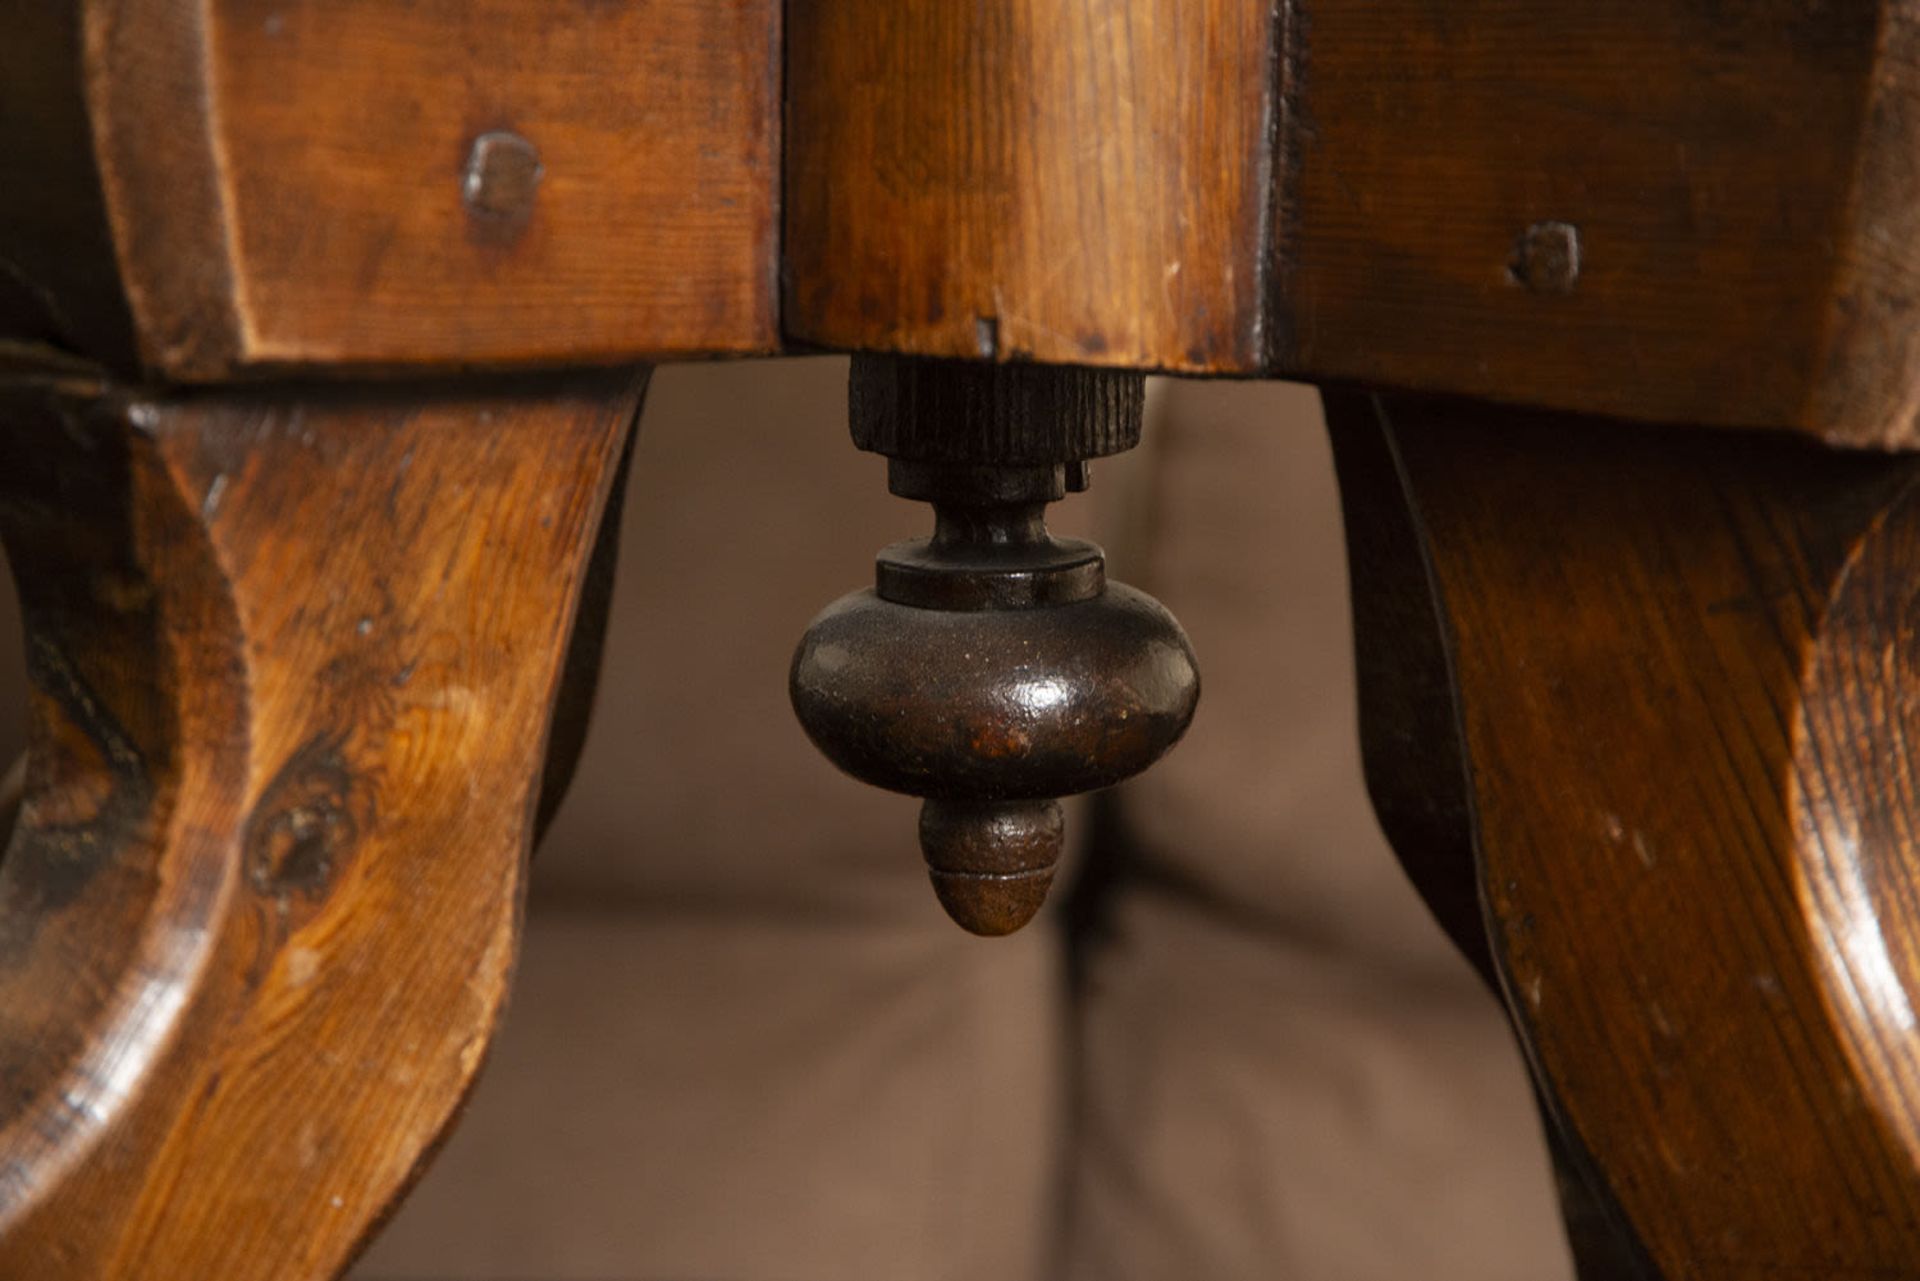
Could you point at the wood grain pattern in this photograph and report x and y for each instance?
(1080, 183)
(306, 184)
(1682, 672)
(293, 661)
(651, 228)
(1740, 180)
(1417, 777)
(1669, 211)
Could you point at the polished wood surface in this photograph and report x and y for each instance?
(293, 659)
(1664, 211)
(1670, 211)
(1680, 674)
(1636, 687)
(1415, 767)
(367, 184)
(1074, 183)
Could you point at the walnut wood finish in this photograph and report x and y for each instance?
(1071, 183)
(229, 186)
(295, 650)
(1680, 671)
(293, 659)
(1416, 772)
(1665, 211)
(1655, 209)
(1740, 182)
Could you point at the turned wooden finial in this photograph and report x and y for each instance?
(993, 668)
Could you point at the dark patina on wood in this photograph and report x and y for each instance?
(993, 668)
(1673, 711)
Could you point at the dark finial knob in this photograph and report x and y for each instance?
(993, 668)
(992, 861)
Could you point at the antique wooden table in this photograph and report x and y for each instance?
(325, 326)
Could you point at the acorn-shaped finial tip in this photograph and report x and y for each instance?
(991, 863)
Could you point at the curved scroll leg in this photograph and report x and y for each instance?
(580, 677)
(1665, 684)
(1416, 774)
(293, 657)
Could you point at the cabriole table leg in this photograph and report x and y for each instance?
(294, 655)
(1637, 707)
